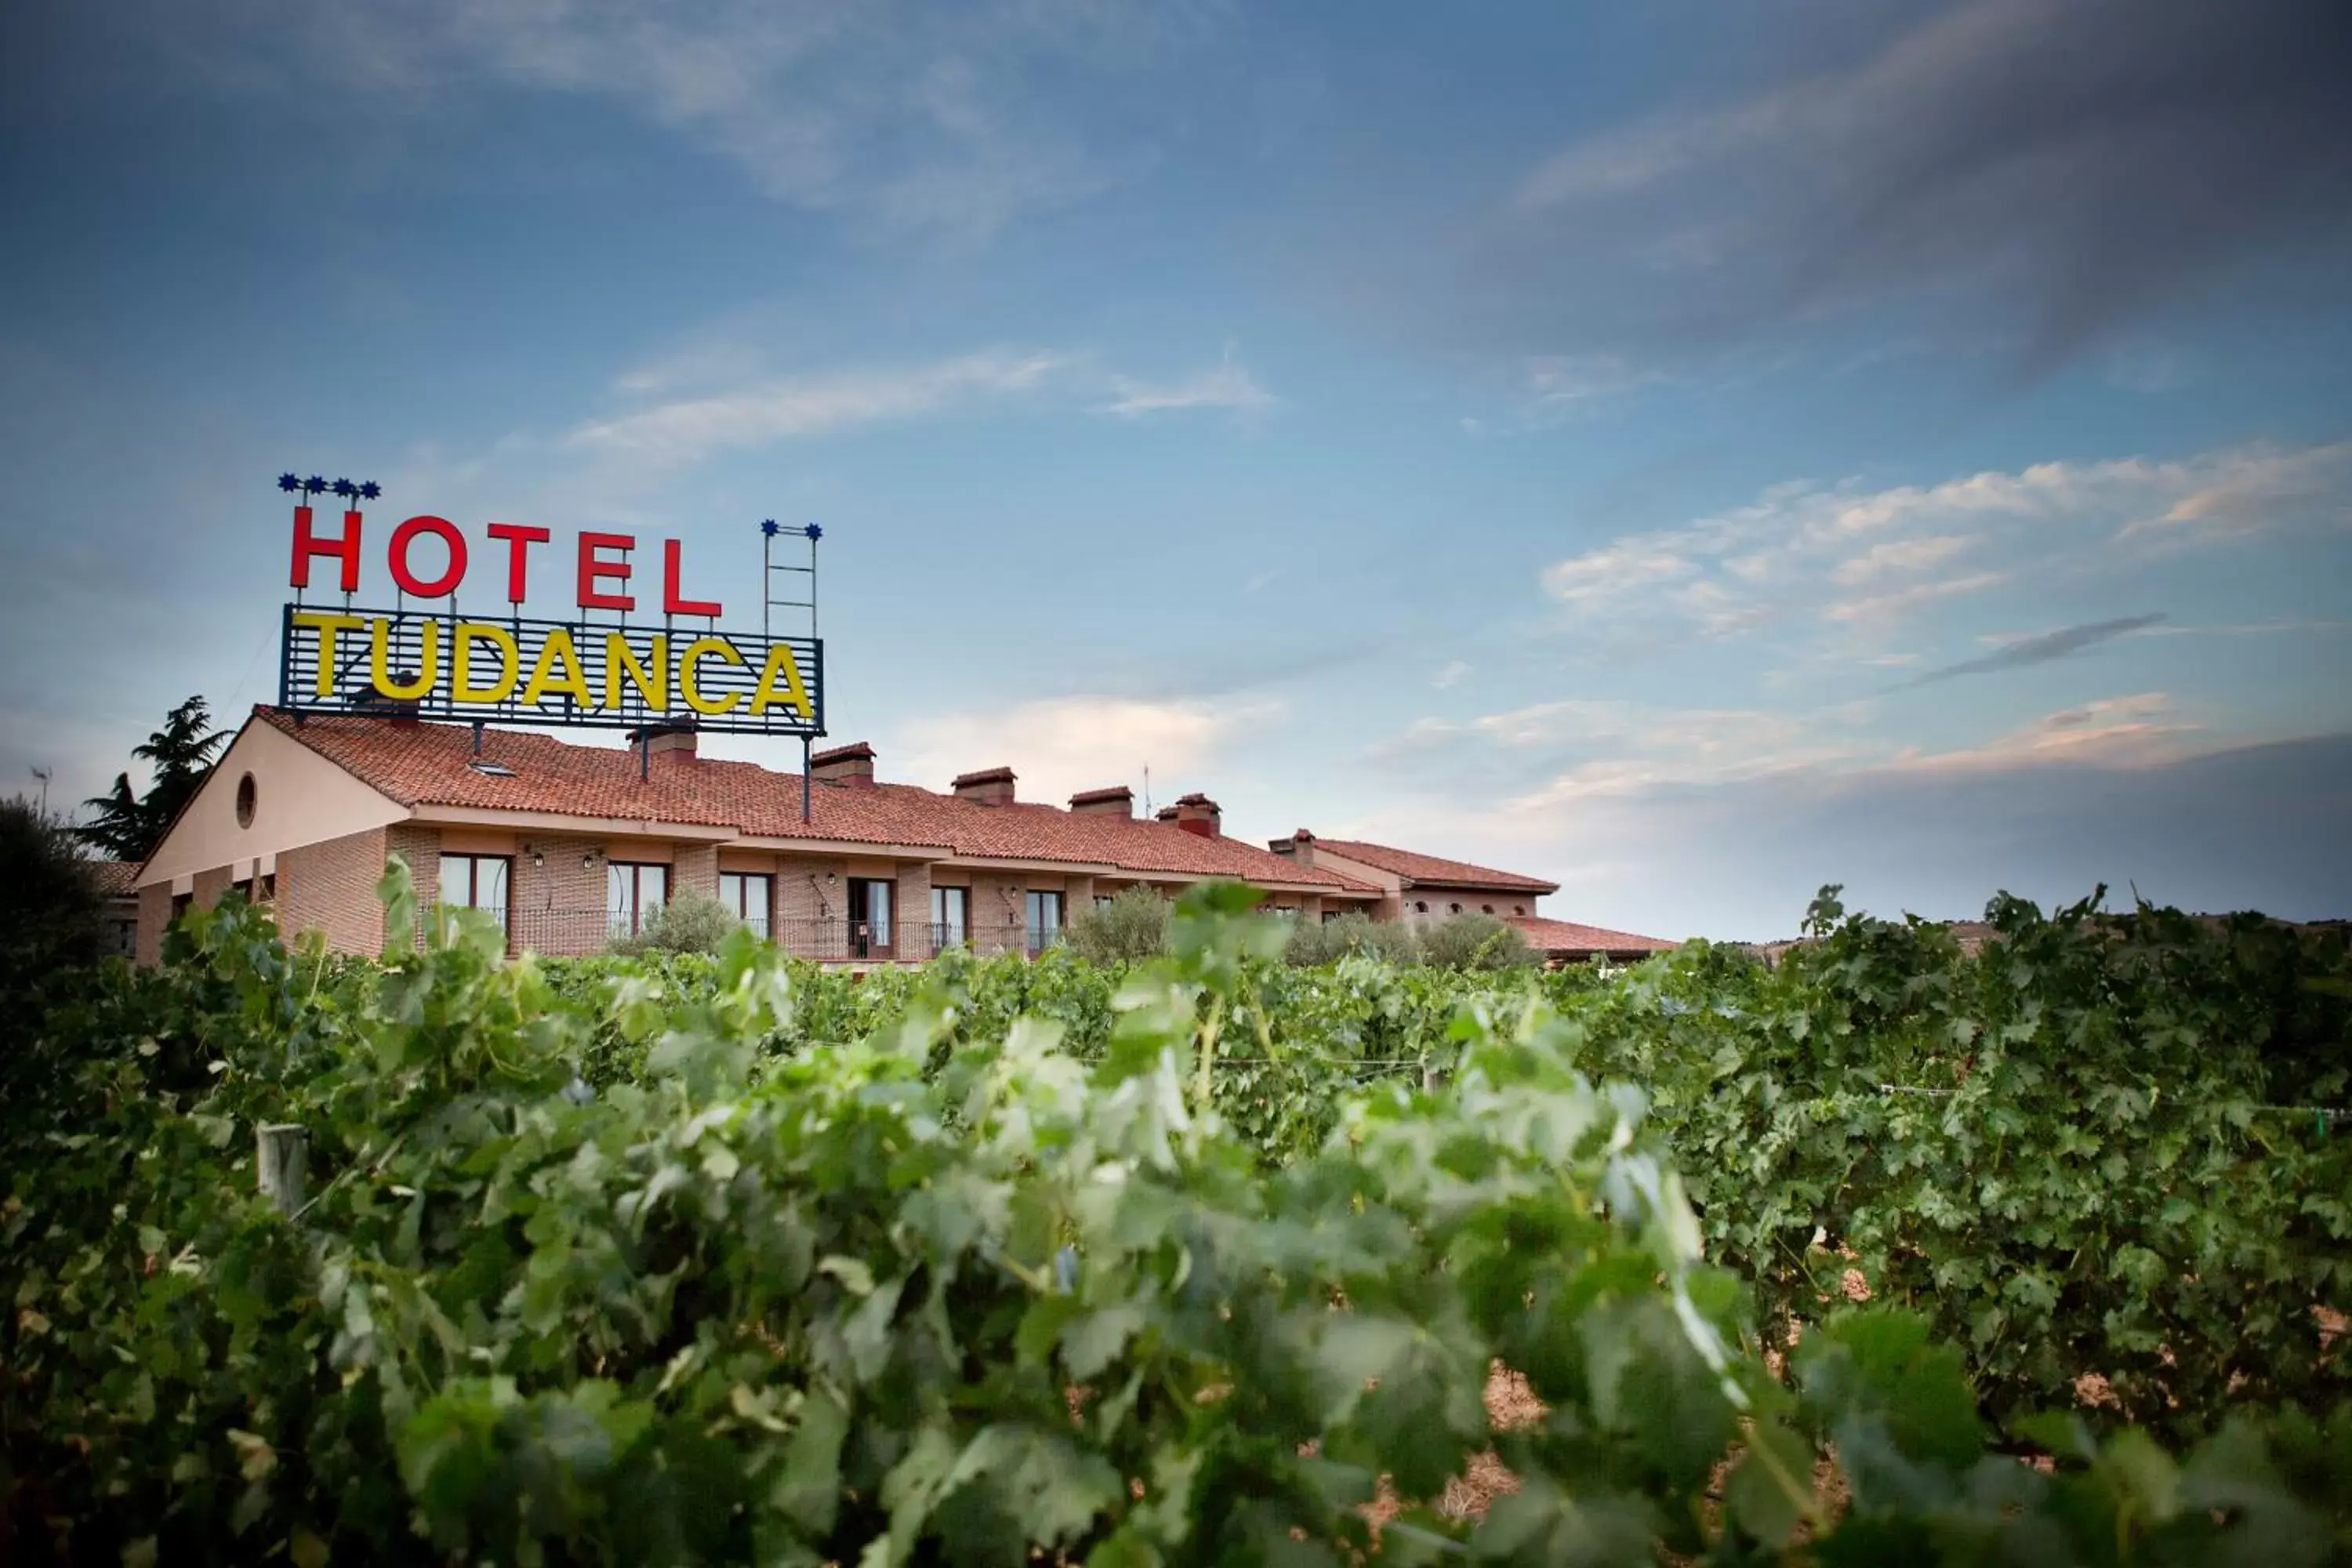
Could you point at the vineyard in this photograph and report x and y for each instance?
(1886, 1251)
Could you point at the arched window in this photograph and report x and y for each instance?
(1486, 909)
(1454, 909)
(1419, 907)
(1519, 908)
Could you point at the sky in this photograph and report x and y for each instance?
(1694, 452)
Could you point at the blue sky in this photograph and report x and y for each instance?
(1695, 452)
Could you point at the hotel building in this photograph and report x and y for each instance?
(572, 847)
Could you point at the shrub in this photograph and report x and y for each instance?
(1133, 926)
(49, 904)
(1475, 941)
(691, 923)
(1328, 942)
(892, 1302)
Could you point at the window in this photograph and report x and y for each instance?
(1487, 909)
(491, 770)
(1420, 907)
(869, 916)
(1105, 900)
(1454, 909)
(632, 893)
(1519, 908)
(476, 882)
(748, 895)
(1331, 915)
(950, 916)
(245, 799)
(1044, 921)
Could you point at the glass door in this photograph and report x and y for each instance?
(869, 916)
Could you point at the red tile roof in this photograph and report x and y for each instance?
(427, 765)
(1567, 937)
(1432, 868)
(113, 877)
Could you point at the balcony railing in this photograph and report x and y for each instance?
(573, 932)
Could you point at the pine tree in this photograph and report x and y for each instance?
(128, 826)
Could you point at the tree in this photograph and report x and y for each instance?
(1317, 942)
(1132, 926)
(128, 826)
(1475, 941)
(49, 905)
(691, 922)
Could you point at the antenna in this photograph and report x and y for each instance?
(1147, 789)
(771, 604)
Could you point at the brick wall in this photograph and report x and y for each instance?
(154, 919)
(812, 918)
(210, 886)
(695, 866)
(421, 847)
(914, 896)
(557, 904)
(998, 913)
(330, 888)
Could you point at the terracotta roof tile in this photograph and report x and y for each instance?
(1435, 869)
(113, 877)
(1566, 936)
(428, 764)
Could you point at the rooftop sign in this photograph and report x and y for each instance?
(425, 657)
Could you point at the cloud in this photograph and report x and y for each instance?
(1228, 386)
(930, 117)
(1646, 837)
(1528, 761)
(2042, 170)
(1616, 572)
(1451, 675)
(1548, 753)
(1898, 557)
(2116, 731)
(2253, 493)
(2062, 643)
(1059, 746)
(1881, 608)
(688, 430)
(1800, 551)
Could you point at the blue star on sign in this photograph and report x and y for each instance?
(815, 532)
(370, 490)
(315, 485)
(289, 482)
(345, 487)
(768, 527)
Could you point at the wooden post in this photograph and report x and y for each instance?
(281, 1152)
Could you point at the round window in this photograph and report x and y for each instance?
(245, 801)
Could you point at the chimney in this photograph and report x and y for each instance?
(990, 787)
(1298, 847)
(1117, 801)
(661, 739)
(1198, 814)
(851, 765)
